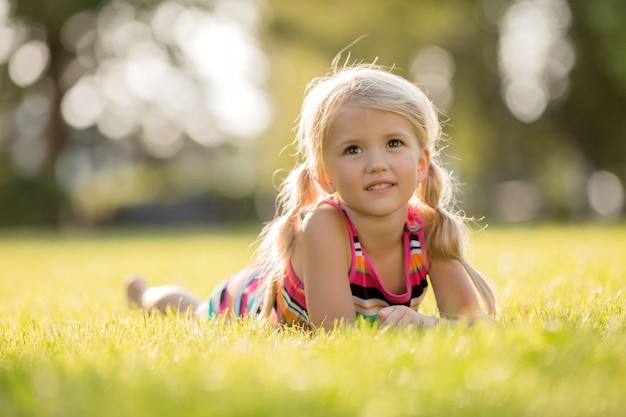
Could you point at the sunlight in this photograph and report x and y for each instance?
(5, 7)
(28, 152)
(200, 128)
(535, 56)
(526, 98)
(167, 77)
(160, 136)
(79, 32)
(210, 89)
(241, 111)
(8, 35)
(433, 68)
(117, 121)
(232, 68)
(147, 70)
(82, 104)
(164, 20)
(29, 63)
(120, 116)
(605, 193)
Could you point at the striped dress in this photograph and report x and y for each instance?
(242, 294)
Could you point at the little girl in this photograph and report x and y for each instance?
(363, 221)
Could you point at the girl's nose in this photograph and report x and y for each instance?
(376, 160)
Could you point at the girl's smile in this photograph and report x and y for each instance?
(379, 186)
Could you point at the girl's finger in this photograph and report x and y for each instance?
(384, 313)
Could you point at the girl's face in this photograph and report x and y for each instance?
(373, 160)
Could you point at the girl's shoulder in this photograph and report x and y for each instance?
(322, 236)
(323, 217)
(323, 231)
(326, 224)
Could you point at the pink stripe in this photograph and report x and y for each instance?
(294, 287)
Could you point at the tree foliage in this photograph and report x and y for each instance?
(580, 130)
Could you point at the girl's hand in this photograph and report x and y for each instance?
(403, 316)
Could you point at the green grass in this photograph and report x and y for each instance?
(69, 346)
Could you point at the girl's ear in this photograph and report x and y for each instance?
(326, 184)
(423, 165)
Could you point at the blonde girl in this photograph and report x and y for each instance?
(363, 223)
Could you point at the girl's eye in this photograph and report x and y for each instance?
(352, 150)
(394, 143)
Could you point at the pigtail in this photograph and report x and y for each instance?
(445, 236)
(277, 239)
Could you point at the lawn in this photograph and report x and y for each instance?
(70, 347)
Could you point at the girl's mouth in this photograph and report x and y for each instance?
(380, 186)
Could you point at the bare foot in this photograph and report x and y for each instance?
(135, 287)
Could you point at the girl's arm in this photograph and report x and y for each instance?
(325, 258)
(453, 290)
(454, 294)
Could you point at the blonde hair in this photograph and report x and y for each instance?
(369, 86)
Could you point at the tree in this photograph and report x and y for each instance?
(51, 17)
(36, 198)
(550, 134)
(550, 131)
(594, 115)
(155, 77)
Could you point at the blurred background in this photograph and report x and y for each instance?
(180, 111)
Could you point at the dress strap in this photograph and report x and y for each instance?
(416, 227)
(414, 221)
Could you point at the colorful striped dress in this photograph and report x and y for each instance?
(242, 294)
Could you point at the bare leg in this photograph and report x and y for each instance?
(160, 298)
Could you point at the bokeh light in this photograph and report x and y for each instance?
(82, 104)
(202, 71)
(605, 193)
(78, 32)
(164, 77)
(8, 40)
(433, 69)
(177, 99)
(9, 31)
(517, 201)
(29, 63)
(535, 55)
(28, 153)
